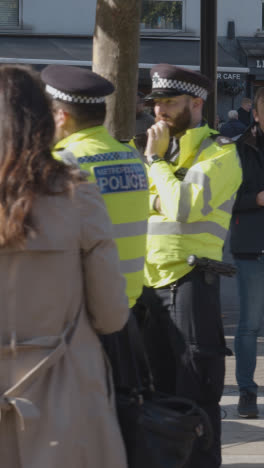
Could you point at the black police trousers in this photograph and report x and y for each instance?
(184, 340)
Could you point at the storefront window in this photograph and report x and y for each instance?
(162, 14)
(9, 14)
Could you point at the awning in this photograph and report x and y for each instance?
(186, 53)
(46, 50)
(78, 51)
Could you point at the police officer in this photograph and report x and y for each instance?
(193, 175)
(79, 110)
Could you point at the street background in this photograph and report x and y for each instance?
(242, 439)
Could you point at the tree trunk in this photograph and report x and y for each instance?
(115, 56)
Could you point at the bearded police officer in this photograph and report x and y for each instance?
(79, 111)
(194, 175)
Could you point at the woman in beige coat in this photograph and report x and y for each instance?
(59, 283)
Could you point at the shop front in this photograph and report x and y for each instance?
(231, 75)
(39, 51)
(253, 51)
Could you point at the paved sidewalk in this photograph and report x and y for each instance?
(242, 439)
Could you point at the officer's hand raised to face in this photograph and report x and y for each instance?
(158, 139)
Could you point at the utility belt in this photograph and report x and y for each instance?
(208, 266)
(212, 266)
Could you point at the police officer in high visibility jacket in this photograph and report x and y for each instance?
(79, 111)
(194, 175)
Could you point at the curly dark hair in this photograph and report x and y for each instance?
(27, 167)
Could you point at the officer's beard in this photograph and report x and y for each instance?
(178, 125)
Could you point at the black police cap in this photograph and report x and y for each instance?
(75, 85)
(169, 80)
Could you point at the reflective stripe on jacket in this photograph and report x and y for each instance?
(121, 177)
(197, 194)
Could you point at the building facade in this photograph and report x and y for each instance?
(65, 17)
(38, 32)
(49, 17)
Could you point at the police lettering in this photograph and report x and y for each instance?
(121, 178)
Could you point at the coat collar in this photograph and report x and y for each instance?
(250, 139)
(191, 141)
(98, 131)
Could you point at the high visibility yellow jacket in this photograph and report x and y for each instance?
(122, 179)
(197, 194)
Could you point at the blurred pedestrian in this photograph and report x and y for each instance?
(233, 128)
(247, 247)
(244, 111)
(218, 123)
(193, 175)
(144, 119)
(60, 285)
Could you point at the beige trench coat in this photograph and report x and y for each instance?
(61, 415)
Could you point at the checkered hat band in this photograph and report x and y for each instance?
(189, 88)
(57, 94)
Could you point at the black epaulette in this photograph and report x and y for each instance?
(221, 140)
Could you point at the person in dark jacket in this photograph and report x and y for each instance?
(233, 128)
(247, 247)
(144, 120)
(244, 111)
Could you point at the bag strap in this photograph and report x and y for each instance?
(24, 408)
(126, 352)
(141, 366)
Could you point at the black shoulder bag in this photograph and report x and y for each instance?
(158, 429)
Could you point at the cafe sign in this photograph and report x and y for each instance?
(256, 65)
(228, 76)
(260, 63)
